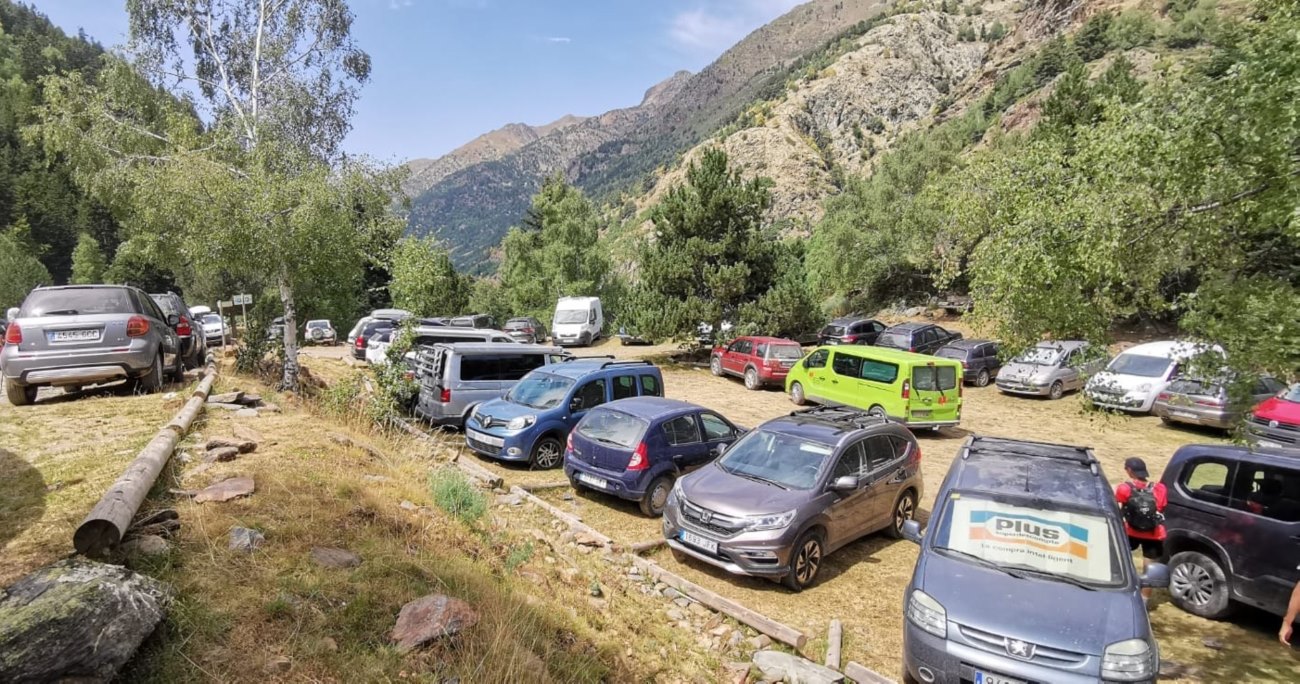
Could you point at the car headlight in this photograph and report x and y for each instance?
(927, 613)
(520, 422)
(1129, 660)
(773, 521)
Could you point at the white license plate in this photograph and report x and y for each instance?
(75, 335)
(920, 414)
(1183, 414)
(485, 438)
(1269, 445)
(699, 542)
(986, 678)
(594, 481)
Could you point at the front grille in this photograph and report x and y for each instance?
(1044, 655)
(1280, 426)
(485, 421)
(718, 524)
(481, 446)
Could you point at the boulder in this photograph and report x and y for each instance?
(429, 618)
(244, 539)
(339, 559)
(778, 666)
(226, 490)
(221, 455)
(76, 620)
(244, 446)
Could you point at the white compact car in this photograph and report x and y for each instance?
(1132, 380)
(377, 347)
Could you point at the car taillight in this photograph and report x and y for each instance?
(568, 444)
(907, 389)
(361, 342)
(137, 326)
(1208, 402)
(14, 335)
(1163, 396)
(850, 338)
(409, 375)
(773, 363)
(916, 454)
(183, 328)
(527, 330)
(446, 396)
(639, 460)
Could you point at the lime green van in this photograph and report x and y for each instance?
(917, 390)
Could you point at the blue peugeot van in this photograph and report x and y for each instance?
(635, 449)
(532, 421)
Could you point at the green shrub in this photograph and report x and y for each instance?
(457, 496)
(1131, 29)
(518, 556)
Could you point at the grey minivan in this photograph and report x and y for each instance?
(1025, 574)
(455, 378)
(793, 490)
(1050, 369)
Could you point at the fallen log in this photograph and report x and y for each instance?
(574, 521)
(109, 520)
(862, 675)
(543, 486)
(834, 637)
(491, 479)
(643, 546)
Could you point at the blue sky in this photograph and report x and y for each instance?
(445, 71)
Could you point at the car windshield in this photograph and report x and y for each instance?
(540, 390)
(614, 428)
(212, 319)
(782, 460)
(518, 325)
(786, 352)
(76, 302)
(1291, 393)
(1197, 387)
(165, 303)
(952, 353)
(833, 330)
(1026, 536)
(1040, 356)
(1139, 365)
(898, 340)
(311, 325)
(570, 316)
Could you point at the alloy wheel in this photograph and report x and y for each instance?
(906, 510)
(808, 561)
(1192, 583)
(751, 379)
(548, 454)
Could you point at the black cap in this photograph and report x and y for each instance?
(1136, 466)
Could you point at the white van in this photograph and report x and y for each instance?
(1133, 379)
(578, 320)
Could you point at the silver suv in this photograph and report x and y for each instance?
(81, 335)
(794, 490)
(456, 378)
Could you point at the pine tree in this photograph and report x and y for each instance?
(88, 264)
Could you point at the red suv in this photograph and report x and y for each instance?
(759, 360)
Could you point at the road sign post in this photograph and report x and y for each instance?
(243, 300)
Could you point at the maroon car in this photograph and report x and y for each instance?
(759, 360)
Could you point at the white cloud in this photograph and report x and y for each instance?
(558, 39)
(710, 28)
(398, 5)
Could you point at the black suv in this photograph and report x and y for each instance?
(1233, 522)
(851, 330)
(194, 344)
(979, 359)
(921, 338)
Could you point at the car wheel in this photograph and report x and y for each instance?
(19, 394)
(904, 510)
(656, 496)
(547, 453)
(715, 366)
(151, 381)
(877, 411)
(805, 562)
(1056, 391)
(796, 395)
(982, 380)
(751, 379)
(1198, 585)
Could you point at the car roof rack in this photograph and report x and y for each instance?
(840, 414)
(1004, 446)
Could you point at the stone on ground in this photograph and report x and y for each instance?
(247, 413)
(778, 666)
(226, 398)
(429, 618)
(339, 559)
(146, 545)
(221, 455)
(244, 539)
(76, 620)
(245, 446)
(226, 490)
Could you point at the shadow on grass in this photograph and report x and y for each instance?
(22, 497)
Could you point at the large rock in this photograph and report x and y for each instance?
(221, 455)
(244, 446)
(778, 666)
(226, 490)
(429, 618)
(226, 398)
(76, 620)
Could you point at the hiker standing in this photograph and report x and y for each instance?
(1143, 505)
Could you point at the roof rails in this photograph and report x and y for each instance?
(607, 364)
(1004, 446)
(840, 414)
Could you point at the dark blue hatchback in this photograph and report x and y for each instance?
(636, 448)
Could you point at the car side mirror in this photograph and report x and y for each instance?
(845, 484)
(912, 531)
(1156, 576)
(173, 320)
(11, 314)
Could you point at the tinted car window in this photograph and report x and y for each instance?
(833, 330)
(650, 386)
(816, 359)
(1139, 365)
(1271, 492)
(624, 386)
(165, 303)
(743, 346)
(879, 371)
(851, 462)
(761, 351)
(879, 452)
(787, 352)
(591, 394)
(503, 367)
(1208, 481)
(77, 302)
(714, 427)
(899, 340)
(613, 426)
(682, 430)
(952, 353)
(931, 378)
(900, 446)
(846, 365)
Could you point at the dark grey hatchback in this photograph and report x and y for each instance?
(1025, 574)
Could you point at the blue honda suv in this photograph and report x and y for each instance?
(636, 448)
(532, 421)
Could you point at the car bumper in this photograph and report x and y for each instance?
(615, 485)
(1133, 403)
(952, 662)
(753, 554)
(507, 447)
(1024, 389)
(567, 340)
(774, 377)
(1267, 436)
(77, 367)
(1215, 418)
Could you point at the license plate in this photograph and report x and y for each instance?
(1183, 414)
(1269, 445)
(594, 481)
(989, 678)
(699, 542)
(75, 335)
(787, 364)
(485, 438)
(920, 414)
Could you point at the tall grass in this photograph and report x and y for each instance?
(456, 495)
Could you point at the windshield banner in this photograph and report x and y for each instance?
(1050, 541)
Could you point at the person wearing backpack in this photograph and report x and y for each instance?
(1143, 505)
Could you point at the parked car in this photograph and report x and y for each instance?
(320, 332)
(361, 340)
(792, 491)
(1232, 523)
(761, 361)
(1035, 525)
(1050, 369)
(1132, 380)
(920, 391)
(851, 330)
(473, 321)
(577, 321)
(275, 331)
(628, 338)
(194, 344)
(704, 333)
(377, 346)
(532, 421)
(78, 335)
(979, 359)
(1275, 422)
(636, 449)
(954, 303)
(214, 329)
(426, 335)
(393, 316)
(1207, 402)
(456, 378)
(526, 329)
(918, 338)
